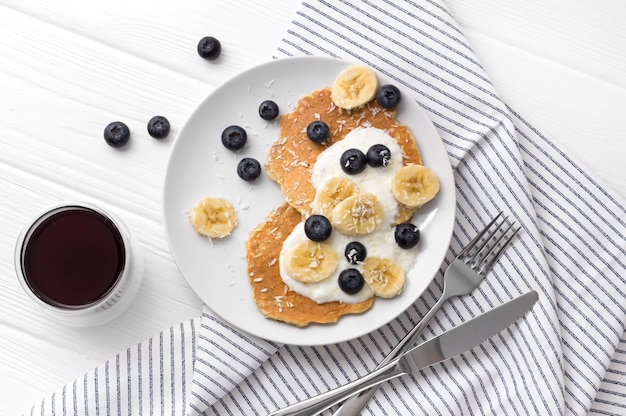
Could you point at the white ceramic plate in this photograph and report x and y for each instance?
(200, 166)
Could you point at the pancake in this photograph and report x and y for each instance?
(291, 158)
(271, 295)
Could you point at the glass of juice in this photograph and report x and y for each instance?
(79, 262)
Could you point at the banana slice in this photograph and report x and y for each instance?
(331, 193)
(384, 276)
(310, 262)
(213, 217)
(404, 214)
(358, 214)
(354, 86)
(414, 185)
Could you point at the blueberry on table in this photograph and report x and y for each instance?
(351, 281)
(318, 131)
(158, 127)
(378, 155)
(388, 96)
(234, 137)
(317, 228)
(355, 252)
(353, 161)
(268, 110)
(209, 48)
(407, 235)
(248, 169)
(116, 134)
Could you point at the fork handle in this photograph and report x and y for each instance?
(319, 403)
(356, 403)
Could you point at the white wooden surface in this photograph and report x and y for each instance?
(67, 68)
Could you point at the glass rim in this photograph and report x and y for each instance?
(36, 221)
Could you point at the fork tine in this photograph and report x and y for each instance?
(476, 239)
(488, 259)
(478, 255)
(486, 267)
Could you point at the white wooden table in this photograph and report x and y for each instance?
(68, 68)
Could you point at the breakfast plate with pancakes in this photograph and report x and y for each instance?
(229, 273)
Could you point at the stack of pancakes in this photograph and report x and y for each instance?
(290, 163)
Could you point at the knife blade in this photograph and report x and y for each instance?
(451, 343)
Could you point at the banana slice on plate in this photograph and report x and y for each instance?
(358, 214)
(354, 86)
(384, 276)
(213, 217)
(414, 185)
(310, 262)
(331, 193)
(404, 214)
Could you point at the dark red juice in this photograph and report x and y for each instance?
(73, 258)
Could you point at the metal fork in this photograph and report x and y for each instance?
(462, 276)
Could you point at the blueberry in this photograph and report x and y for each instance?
(378, 155)
(318, 131)
(353, 161)
(234, 137)
(158, 127)
(209, 48)
(248, 169)
(388, 96)
(407, 235)
(317, 228)
(355, 252)
(268, 110)
(351, 281)
(116, 134)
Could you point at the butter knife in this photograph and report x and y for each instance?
(453, 342)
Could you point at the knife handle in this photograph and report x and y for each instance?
(319, 403)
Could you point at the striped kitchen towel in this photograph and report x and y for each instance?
(568, 356)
